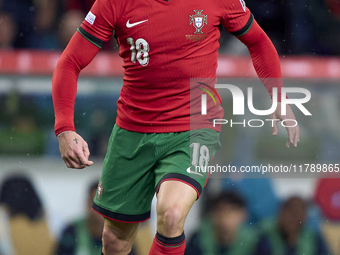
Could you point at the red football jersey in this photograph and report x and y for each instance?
(164, 45)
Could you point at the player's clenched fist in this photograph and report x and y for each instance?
(74, 150)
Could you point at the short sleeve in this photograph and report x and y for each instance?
(99, 24)
(236, 17)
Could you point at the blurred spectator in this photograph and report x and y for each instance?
(334, 7)
(326, 27)
(46, 22)
(23, 12)
(68, 26)
(224, 231)
(295, 27)
(19, 118)
(84, 235)
(23, 228)
(288, 234)
(287, 23)
(79, 5)
(260, 204)
(327, 196)
(46, 16)
(7, 30)
(272, 17)
(298, 36)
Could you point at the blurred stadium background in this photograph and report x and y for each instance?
(34, 32)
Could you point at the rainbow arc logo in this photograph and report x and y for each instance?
(204, 96)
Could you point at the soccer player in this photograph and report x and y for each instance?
(159, 132)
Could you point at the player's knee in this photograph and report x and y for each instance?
(112, 244)
(171, 217)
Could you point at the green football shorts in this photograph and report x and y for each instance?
(137, 163)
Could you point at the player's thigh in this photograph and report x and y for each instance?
(175, 195)
(188, 160)
(121, 231)
(126, 186)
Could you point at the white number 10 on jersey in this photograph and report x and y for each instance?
(139, 51)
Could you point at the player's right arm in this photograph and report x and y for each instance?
(82, 48)
(77, 55)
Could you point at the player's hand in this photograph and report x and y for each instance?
(74, 150)
(293, 132)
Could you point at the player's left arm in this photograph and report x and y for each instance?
(267, 65)
(240, 22)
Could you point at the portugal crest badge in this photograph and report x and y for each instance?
(99, 190)
(198, 20)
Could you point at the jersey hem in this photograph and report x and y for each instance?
(182, 178)
(120, 217)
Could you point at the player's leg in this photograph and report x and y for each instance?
(178, 185)
(174, 201)
(125, 190)
(118, 237)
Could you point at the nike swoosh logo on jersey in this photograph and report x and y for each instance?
(193, 172)
(129, 25)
